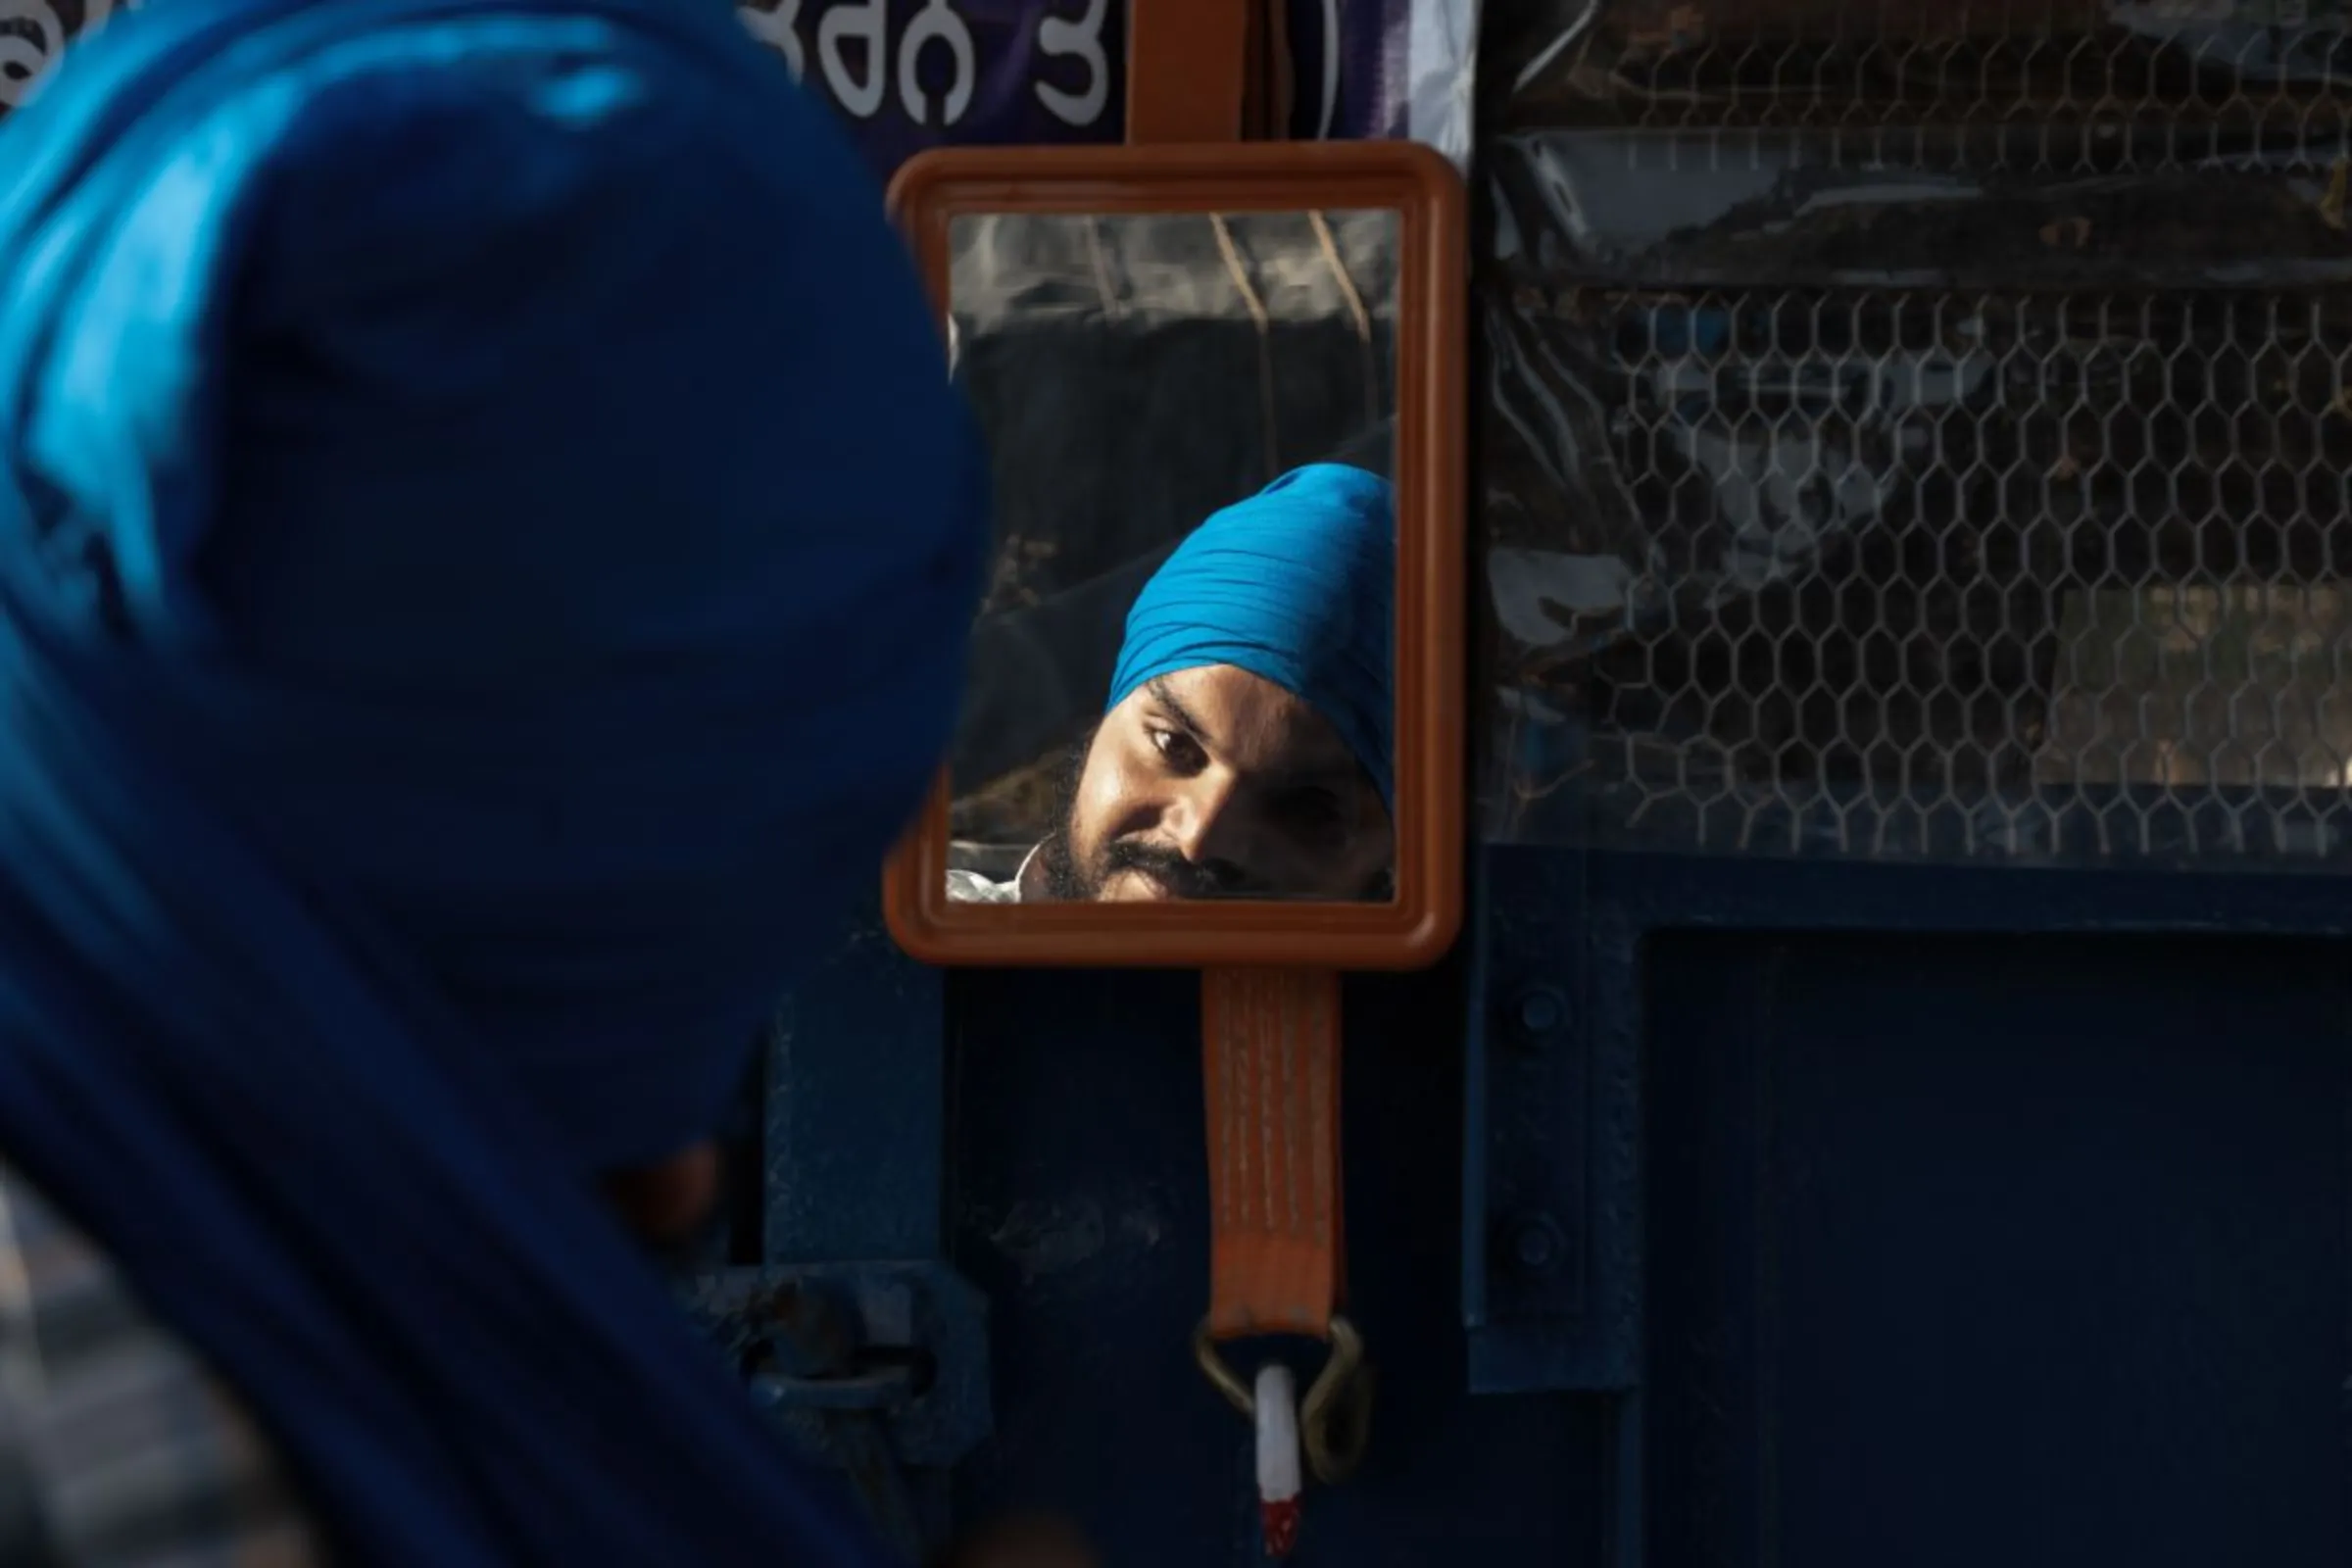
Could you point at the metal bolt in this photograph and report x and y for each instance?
(1538, 1245)
(1542, 1011)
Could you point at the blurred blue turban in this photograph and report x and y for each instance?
(486, 548)
(1296, 585)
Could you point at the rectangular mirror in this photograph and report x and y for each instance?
(1214, 697)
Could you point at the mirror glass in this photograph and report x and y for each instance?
(1182, 676)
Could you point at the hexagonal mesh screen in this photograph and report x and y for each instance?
(2043, 81)
(1925, 573)
(1920, 430)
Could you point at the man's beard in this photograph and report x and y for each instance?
(1054, 861)
(1068, 882)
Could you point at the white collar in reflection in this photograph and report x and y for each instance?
(970, 887)
(1020, 878)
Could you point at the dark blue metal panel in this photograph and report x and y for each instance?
(857, 1108)
(1557, 1039)
(1680, 890)
(1551, 1289)
(2019, 1250)
(854, 1330)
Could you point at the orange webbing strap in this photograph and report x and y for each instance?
(1187, 69)
(1270, 1043)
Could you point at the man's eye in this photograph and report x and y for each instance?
(1180, 751)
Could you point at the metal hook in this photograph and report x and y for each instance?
(1335, 1420)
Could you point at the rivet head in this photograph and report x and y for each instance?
(1542, 1011)
(1538, 1245)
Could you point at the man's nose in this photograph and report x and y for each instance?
(1207, 828)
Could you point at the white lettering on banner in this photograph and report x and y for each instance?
(23, 56)
(1079, 40)
(938, 23)
(780, 28)
(936, 30)
(24, 60)
(867, 21)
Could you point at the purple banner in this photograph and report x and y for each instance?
(908, 74)
(1339, 67)
(1401, 68)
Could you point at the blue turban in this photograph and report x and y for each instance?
(486, 546)
(1296, 585)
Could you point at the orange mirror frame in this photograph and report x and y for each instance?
(1416, 928)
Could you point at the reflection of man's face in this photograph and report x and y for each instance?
(1215, 783)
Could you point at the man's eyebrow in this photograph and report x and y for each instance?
(1158, 686)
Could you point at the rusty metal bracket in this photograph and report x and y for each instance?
(879, 1368)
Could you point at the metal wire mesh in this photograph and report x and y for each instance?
(2057, 84)
(2029, 573)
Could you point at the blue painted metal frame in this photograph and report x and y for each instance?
(854, 1330)
(1552, 1197)
(1553, 1206)
(856, 1123)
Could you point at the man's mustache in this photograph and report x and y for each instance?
(1185, 878)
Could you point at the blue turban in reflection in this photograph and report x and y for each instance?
(1296, 585)
(486, 547)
